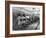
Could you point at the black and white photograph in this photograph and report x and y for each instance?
(26, 18)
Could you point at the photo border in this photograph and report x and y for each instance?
(24, 31)
(7, 18)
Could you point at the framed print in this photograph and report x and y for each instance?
(24, 18)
